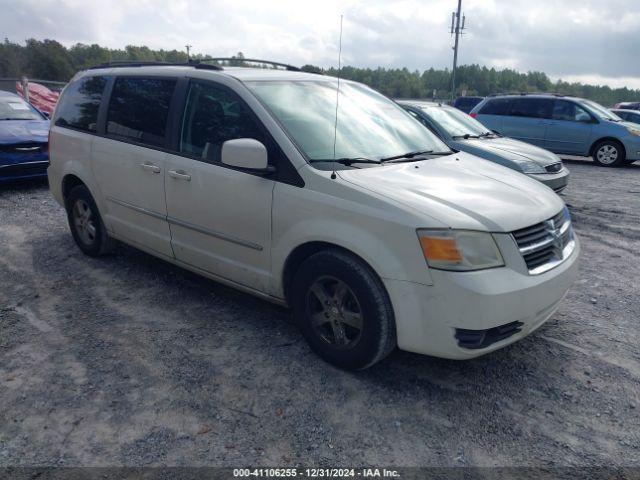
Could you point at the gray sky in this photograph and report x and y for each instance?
(594, 41)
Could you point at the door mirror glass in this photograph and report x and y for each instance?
(245, 153)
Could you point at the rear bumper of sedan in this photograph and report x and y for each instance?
(555, 181)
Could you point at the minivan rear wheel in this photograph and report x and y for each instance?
(343, 310)
(609, 153)
(86, 224)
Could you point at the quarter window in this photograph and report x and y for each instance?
(80, 102)
(569, 111)
(212, 116)
(139, 108)
(531, 107)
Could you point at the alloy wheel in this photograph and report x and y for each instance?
(83, 221)
(334, 312)
(607, 154)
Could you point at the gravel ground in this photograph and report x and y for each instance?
(129, 361)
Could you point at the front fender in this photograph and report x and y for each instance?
(389, 247)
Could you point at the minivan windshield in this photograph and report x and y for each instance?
(455, 122)
(369, 126)
(601, 112)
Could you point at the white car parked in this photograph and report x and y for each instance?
(230, 172)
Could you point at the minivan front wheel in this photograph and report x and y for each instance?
(343, 310)
(609, 153)
(86, 224)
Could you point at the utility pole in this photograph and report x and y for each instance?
(456, 29)
(188, 56)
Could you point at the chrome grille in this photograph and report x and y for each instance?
(23, 148)
(546, 244)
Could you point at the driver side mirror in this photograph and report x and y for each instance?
(246, 154)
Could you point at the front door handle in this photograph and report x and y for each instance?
(180, 175)
(150, 167)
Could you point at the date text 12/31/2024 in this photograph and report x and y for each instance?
(315, 473)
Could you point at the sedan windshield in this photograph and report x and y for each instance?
(14, 108)
(455, 122)
(369, 125)
(602, 112)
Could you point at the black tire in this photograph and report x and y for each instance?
(94, 245)
(377, 336)
(609, 150)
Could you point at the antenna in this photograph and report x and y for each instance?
(335, 125)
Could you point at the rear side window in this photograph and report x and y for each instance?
(139, 109)
(531, 107)
(497, 106)
(80, 102)
(212, 116)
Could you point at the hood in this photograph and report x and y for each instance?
(462, 191)
(23, 131)
(630, 124)
(509, 149)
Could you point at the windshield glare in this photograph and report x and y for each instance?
(455, 122)
(14, 108)
(601, 111)
(369, 124)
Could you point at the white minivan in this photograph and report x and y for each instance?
(370, 228)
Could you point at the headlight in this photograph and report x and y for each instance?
(531, 167)
(633, 131)
(459, 250)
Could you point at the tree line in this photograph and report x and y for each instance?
(50, 60)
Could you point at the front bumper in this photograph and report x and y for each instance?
(555, 181)
(428, 317)
(14, 166)
(632, 147)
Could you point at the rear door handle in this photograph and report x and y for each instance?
(150, 167)
(180, 175)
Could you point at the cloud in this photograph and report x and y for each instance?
(564, 38)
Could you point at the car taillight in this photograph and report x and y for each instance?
(473, 114)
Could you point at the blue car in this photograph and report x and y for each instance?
(632, 116)
(563, 125)
(461, 132)
(24, 136)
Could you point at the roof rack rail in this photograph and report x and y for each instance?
(524, 94)
(253, 60)
(124, 64)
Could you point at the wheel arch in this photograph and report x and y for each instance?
(69, 182)
(305, 250)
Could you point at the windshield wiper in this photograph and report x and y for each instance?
(487, 134)
(415, 154)
(13, 118)
(346, 160)
(466, 136)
